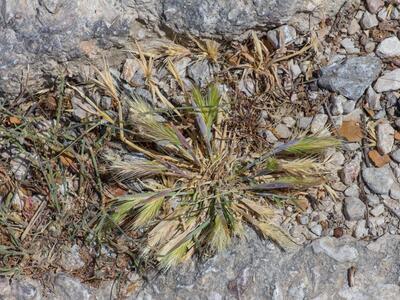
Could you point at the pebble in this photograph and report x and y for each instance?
(201, 72)
(270, 137)
(337, 105)
(337, 159)
(385, 138)
(373, 6)
(360, 229)
(368, 21)
(390, 81)
(373, 199)
(304, 219)
(287, 32)
(350, 171)
(350, 77)
(71, 260)
(352, 191)
(318, 123)
(351, 146)
(131, 66)
(382, 14)
(66, 287)
(395, 192)
(395, 155)
(328, 246)
(379, 180)
(378, 210)
(19, 167)
(282, 131)
(370, 47)
(349, 46)
(304, 122)
(295, 70)
(353, 209)
(354, 27)
(389, 47)
(348, 106)
(373, 99)
(289, 121)
(25, 289)
(316, 229)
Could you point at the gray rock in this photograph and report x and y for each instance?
(282, 131)
(19, 167)
(201, 73)
(353, 209)
(354, 27)
(374, 5)
(373, 99)
(350, 171)
(304, 122)
(368, 21)
(379, 180)
(383, 14)
(318, 123)
(316, 229)
(389, 47)
(44, 36)
(68, 288)
(373, 199)
(337, 105)
(378, 210)
(370, 47)
(395, 155)
(385, 138)
(352, 191)
(390, 81)
(26, 289)
(349, 46)
(350, 77)
(348, 106)
(395, 192)
(281, 36)
(289, 121)
(71, 260)
(360, 229)
(328, 246)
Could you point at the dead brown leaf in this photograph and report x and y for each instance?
(351, 131)
(377, 159)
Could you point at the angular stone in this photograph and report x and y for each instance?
(385, 138)
(379, 180)
(281, 36)
(390, 81)
(350, 171)
(368, 21)
(373, 99)
(327, 246)
(373, 6)
(353, 209)
(318, 123)
(350, 77)
(389, 47)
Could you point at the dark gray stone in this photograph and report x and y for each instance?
(350, 77)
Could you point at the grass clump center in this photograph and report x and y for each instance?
(196, 187)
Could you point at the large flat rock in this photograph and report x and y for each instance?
(48, 33)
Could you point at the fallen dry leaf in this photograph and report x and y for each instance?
(397, 136)
(14, 120)
(377, 159)
(351, 131)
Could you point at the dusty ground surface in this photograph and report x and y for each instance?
(343, 76)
